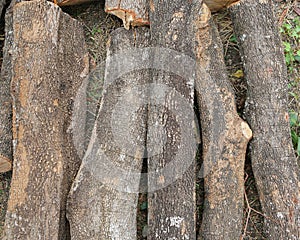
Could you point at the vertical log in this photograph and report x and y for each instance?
(273, 160)
(171, 142)
(49, 60)
(103, 200)
(132, 12)
(5, 98)
(224, 138)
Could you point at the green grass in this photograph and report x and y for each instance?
(290, 32)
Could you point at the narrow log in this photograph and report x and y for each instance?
(72, 2)
(5, 164)
(171, 141)
(49, 61)
(6, 148)
(273, 160)
(224, 138)
(103, 200)
(132, 12)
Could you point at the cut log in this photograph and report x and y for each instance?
(49, 62)
(224, 138)
(6, 134)
(171, 139)
(216, 5)
(5, 164)
(103, 200)
(132, 12)
(273, 160)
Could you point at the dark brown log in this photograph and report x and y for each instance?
(103, 200)
(49, 62)
(72, 2)
(132, 12)
(171, 142)
(224, 138)
(5, 98)
(273, 160)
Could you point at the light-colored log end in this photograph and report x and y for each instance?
(5, 164)
(217, 5)
(128, 17)
(247, 133)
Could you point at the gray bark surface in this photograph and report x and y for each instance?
(5, 98)
(49, 61)
(102, 203)
(273, 160)
(171, 142)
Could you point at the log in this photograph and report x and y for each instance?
(224, 138)
(132, 12)
(273, 160)
(71, 2)
(49, 62)
(171, 140)
(217, 5)
(103, 200)
(6, 134)
(5, 164)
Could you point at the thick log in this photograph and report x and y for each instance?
(273, 160)
(5, 98)
(49, 62)
(224, 138)
(103, 200)
(171, 140)
(132, 12)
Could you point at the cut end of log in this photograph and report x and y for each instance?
(217, 5)
(5, 164)
(247, 133)
(128, 17)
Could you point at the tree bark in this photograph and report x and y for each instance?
(5, 98)
(132, 12)
(171, 141)
(224, 138)
(273, 160)
(49, 62)
(103, 200)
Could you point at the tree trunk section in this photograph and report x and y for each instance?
(273, 160)
(171, 140)
(49, 61)
(5, 98)
(224, 138)
(103, 200)
(132, 12)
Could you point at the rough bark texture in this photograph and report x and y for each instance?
(103, 200)
(224, 138)
(171, 142)
(273, 160)
(5, 98)
(49, 61)
(132, 12)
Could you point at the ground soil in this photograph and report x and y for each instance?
(98, 25)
